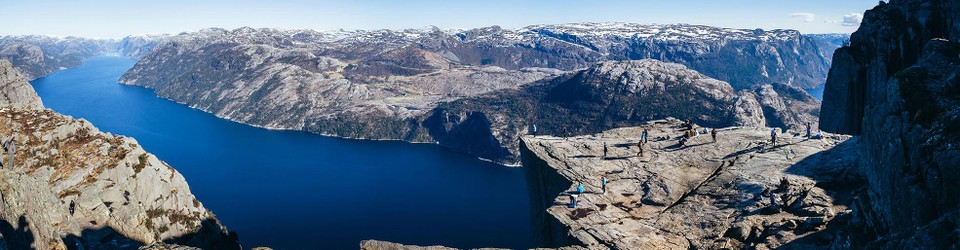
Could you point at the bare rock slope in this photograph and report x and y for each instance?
(14, 88)
(72, 186)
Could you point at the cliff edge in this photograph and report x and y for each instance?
(70, 186)
(896, 85)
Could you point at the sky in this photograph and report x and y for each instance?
(115, 19)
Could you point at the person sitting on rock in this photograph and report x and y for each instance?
(784, 183)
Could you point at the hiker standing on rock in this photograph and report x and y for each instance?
(643, 136)
(580, 188)
(640, 146)
(713, 133)
(603, 184)
(808, 130)
(604, 150)
(773, 136)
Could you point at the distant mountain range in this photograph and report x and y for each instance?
(38, 56)
(388, 84)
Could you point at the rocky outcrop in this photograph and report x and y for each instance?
(896, 86)
(737, 192)
(15, 90)
(606, 96)
(74, 187)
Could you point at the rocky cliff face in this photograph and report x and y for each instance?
(896, 86)
(74, 187)
(610, 95)
(14, 88)
(738, 192)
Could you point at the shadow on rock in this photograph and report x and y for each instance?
(208, 237)
(17, 238)
(838, 172)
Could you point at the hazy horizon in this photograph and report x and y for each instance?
(117, 19)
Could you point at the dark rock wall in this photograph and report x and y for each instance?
(896, 85)
(544, 183)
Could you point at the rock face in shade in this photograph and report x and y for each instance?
(709, 195)
(15, 90)
(122, 196)
(609, 95)
(897, 87)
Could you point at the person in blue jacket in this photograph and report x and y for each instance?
(579, 187)
(603, 184)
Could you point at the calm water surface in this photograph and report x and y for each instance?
(293, 190)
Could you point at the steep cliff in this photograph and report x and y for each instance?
(71, 186)
(14, 88)
(897, 87)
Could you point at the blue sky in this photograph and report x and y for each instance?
(111, 19)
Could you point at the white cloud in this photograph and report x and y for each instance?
(806, 16)
(852, 19)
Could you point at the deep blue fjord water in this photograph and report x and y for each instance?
(818, 91)
(294, 190)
